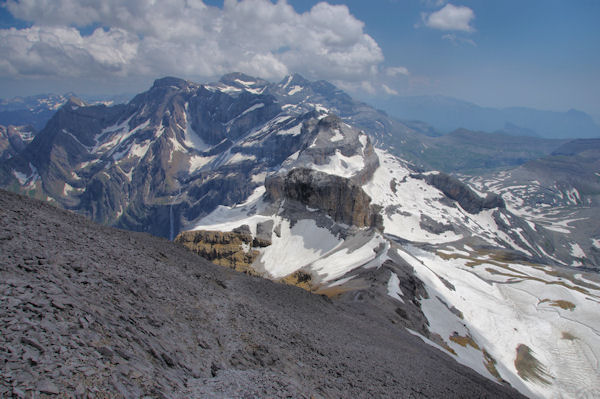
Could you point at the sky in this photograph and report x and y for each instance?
(542, 54)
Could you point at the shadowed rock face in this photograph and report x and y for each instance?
(13, 139)
(343, 200)
(91, 310)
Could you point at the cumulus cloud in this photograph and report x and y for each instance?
(451, 18)
(62, 51)
(186, 38)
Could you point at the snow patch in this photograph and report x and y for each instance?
(68, 189)
(293, 131)
(259, 178)
(296, 247)
(294, 90)
(576, 251)
(252, 108)
(191, 138)
(239, 157)
(245, 83)
(342, 165)
(228, 89)
(139, 150)
(21, 177)
(393, 287)
(337, 136)
(197, 162)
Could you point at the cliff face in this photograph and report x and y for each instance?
(341, 198)
(13, 139)
(231, 249)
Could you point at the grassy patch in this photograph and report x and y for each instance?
(437, 338)
(300, 279)
(334, 291)
(566, 305)
(568, 336)
(464, 341)
(490, 365)
(528, 367)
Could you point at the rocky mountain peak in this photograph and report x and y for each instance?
(170, 81)
(242, 81)
(294, 79)
(334, 147)
(75, 102)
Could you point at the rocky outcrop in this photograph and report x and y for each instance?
(264, 232)
(329, 137)
(301, 279)
(231, 249)
(342, 199)
(461, 193)
(13, 139)
(433, 226)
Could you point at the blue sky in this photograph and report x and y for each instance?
(541, 54)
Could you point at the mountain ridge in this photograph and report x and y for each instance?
(448, 114)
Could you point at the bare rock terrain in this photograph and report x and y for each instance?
(93, 312)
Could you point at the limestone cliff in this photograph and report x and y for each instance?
(232, 249)
(341, 198)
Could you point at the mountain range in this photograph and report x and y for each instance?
(447, 114)
(36, 111)
(297, 182)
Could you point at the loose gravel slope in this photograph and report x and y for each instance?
(91, 311)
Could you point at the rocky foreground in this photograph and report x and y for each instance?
(90, 311)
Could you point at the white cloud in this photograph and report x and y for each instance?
(187, 38)
(62, 51)
(434, 3)
(457, 40)
(451, 17)
(395, 71)
(389, 90)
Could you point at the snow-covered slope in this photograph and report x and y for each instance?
(560, 192)
(486, 287)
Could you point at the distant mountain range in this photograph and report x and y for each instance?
(446, 114)
(37, 110)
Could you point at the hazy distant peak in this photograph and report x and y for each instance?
(239, 79)
(75, 101)
(170, 81)
(294, 79)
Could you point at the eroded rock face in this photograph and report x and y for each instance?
(231, 249)
(13, 139)
(461, 193)
(342, 199)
